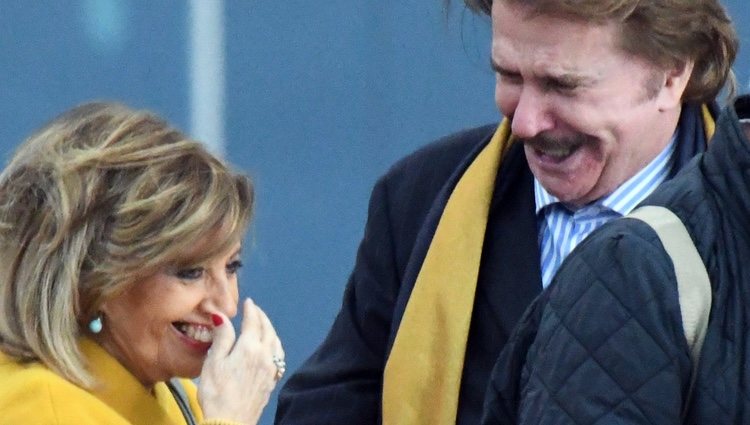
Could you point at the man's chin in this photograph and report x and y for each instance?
(569, 193)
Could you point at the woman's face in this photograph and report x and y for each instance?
(160, 327)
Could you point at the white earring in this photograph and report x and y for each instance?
(95, 325)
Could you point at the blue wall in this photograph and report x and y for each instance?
(321, 98)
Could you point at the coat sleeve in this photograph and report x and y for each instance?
(501, 400)
(610, 347)
(341, 383)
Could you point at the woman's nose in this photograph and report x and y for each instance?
(224, 294)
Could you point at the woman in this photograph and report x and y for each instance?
(119, 252)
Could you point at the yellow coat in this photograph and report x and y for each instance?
(32, 394)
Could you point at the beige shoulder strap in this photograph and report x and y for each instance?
(693, 285)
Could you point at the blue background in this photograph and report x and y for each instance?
(321, 97)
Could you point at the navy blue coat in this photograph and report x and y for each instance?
(341, 383)
(605, 344)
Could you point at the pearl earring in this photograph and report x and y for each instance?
(95, 325)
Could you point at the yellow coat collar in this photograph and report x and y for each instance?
(120, 390)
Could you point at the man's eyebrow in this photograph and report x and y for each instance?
(569, 80)
(499, 69)
(494, 65)
(565, 79)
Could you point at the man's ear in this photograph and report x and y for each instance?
(675, 81)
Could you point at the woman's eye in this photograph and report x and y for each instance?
(234, 266)
(190, 274)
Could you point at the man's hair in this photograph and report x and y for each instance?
(94, 201)
(666, 33)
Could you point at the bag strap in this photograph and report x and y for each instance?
(693, 285)
(180, 396)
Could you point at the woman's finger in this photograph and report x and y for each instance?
(263, 325)
(279, 359)
(271, 338)
(224, 336)
(272, 345)
(239, 375)
(279, 349)
(268, 335)
(250, 324)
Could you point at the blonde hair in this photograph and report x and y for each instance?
(94, 200)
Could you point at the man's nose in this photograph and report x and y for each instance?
(532, 115)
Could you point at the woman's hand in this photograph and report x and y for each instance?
(238, 376)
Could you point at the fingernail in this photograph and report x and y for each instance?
(217, 319)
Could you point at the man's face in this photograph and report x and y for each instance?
(590, 116)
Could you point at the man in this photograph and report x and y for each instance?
(629, 361)
(604, 99)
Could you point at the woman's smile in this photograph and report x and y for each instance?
(196, 336)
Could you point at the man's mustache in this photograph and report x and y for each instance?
(546, 141)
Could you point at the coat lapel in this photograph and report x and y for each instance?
(510, 277)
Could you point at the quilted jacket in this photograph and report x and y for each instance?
(605, 343)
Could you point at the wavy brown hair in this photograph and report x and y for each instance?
(666, 33)
(98, 198)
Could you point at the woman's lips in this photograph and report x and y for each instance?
(197, 336)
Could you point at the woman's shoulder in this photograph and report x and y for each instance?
(31, 382)
(31, 393)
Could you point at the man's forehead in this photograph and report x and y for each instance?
(562, 61)
(561, 72)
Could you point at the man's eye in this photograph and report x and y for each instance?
(561, 86)
(190, 273)
(234, 266)
(510, 78)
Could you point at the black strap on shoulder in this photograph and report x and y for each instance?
(180, 396)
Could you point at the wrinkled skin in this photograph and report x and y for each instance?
(590, 115)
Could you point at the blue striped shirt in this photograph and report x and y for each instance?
(562, 229)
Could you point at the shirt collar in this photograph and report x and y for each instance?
(628, 194)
